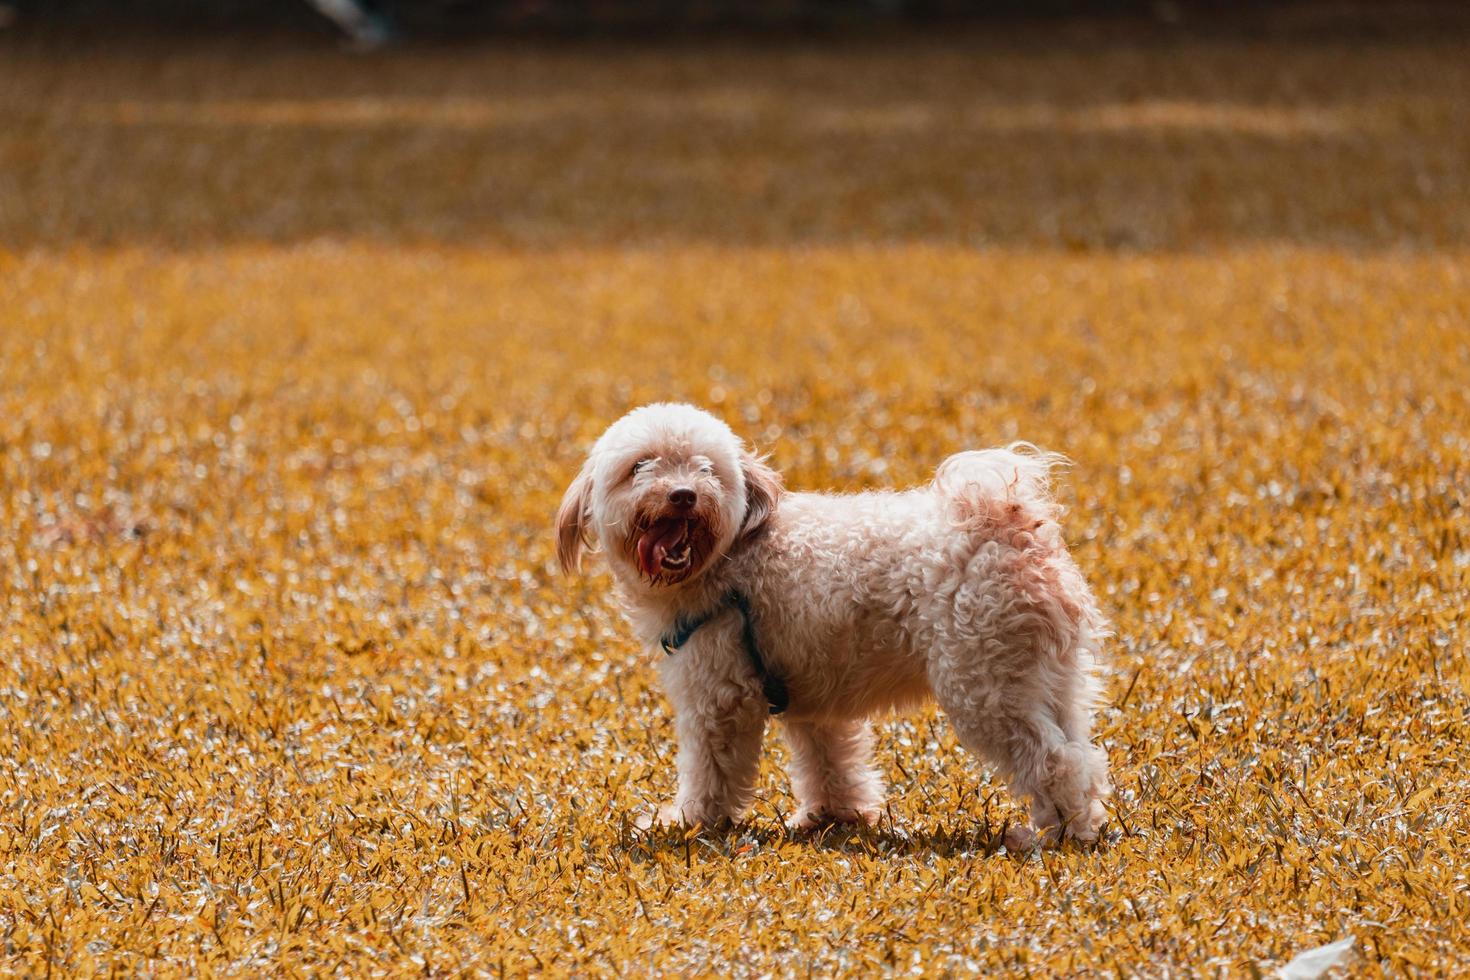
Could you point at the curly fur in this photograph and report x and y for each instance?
(961, 590)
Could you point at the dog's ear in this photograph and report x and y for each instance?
(572, 519)
(762, 492)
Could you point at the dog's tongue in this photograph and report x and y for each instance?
(657, 541)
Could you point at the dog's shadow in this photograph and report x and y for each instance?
(735, 841)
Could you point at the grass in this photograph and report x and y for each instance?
(297, 352)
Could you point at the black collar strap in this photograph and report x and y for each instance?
(685, 627)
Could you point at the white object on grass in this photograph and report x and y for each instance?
(1312, 963)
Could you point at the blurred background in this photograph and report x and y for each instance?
(375, 22)
(1083, 125)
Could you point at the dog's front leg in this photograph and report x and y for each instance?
(720, 718)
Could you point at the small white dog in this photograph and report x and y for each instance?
(828, 608)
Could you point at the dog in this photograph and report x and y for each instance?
(827, 609)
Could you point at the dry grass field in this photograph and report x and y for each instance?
(298, 350)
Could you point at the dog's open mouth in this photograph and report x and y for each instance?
(664, 547)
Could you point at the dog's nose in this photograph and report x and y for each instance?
(682, 497)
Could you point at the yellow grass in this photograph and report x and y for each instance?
(298, 350)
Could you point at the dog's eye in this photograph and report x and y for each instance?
(707, 468)
(638, 466)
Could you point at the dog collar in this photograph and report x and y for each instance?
(686, 626)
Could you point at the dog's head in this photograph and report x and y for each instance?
(665, 491)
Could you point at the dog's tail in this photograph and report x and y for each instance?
(1004, 494)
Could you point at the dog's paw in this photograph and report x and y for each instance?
(655, 819)
(1020, 838)
(1084, 827)
(815, 818)
(670, 815)
(665, 816)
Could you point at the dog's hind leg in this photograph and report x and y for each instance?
(1077, 775)
(1034, 727)
(832, 773)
